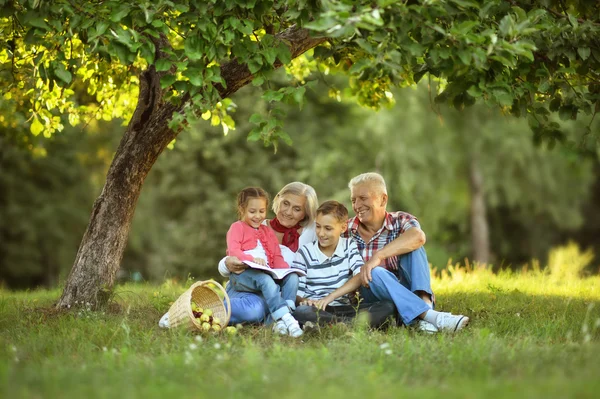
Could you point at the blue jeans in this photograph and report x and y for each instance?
(250, 305)
(412, 275)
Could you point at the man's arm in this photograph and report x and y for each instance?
(411, 239)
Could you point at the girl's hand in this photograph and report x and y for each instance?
(260, 261)
(321, 304)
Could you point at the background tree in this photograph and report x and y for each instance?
(186, 56)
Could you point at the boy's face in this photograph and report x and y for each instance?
(329, 230)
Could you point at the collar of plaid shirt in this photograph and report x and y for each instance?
(377, 241)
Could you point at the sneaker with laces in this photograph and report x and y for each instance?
(426, 327)
(293, 328)
(449, 322)
(280, 328)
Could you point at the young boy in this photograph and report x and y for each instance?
(332, 264)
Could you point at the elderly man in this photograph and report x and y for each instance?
(396, 266)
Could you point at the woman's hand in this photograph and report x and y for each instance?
(321, 304)
(260, 261)
(234, 265)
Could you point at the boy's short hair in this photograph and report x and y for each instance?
(338, 210)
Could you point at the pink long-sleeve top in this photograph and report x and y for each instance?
(242, 237)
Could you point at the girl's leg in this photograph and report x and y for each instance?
(289, 289)
(258, 282)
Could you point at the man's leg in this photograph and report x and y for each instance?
(413, 273)
(255, 281)
(386, 287)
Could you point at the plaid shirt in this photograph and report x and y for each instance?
(395, 223)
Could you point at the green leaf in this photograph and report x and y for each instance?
(36, 126)
(163, 65)
(255, 134)
(167, 81)
(256, 119)
(62, 73)
(119, 13)
(584, 52)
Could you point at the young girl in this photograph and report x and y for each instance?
(249, 239)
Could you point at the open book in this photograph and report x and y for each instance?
(277, 274)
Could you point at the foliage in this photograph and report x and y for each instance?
(569, 262)
(530, 58)
(529, 335)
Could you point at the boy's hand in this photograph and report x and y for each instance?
(321, 304)
(260, 261)
(365, 271)
(308, 302)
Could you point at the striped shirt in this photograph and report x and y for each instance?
(394, 224)
(324, 275)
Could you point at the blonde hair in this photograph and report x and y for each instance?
(300, 189)
(372, 178)
(246, 195)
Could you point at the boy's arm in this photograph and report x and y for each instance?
(350, 286)
(300, 263)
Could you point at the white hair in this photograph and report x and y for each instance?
(372, 178)
(304, 190)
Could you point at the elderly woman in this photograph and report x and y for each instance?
(295, 208)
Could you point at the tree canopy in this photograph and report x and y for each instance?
(532, 58)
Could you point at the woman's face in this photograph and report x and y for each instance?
(291, 209)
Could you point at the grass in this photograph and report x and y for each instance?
(531, 335)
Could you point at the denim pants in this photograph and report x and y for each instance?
(257, 298)
(379, 313)
(412, 275)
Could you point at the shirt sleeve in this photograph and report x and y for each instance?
(300, 263)
(354, 259)
(235, 237)
(405, 221)
(223, 270)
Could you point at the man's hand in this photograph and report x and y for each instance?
(365, 271)
(234, 265)
(321, 304)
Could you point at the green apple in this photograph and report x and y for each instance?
(206, 326)
(216, 327)
(231, 330)
(208, 312)
(205, 317)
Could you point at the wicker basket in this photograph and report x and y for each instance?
(206, 295)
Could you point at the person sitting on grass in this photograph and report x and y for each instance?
(333, 268)
(329, 262)
(249, 239)
(391, 244)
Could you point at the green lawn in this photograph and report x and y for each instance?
(531, 335)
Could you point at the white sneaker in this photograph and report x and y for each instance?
(449, 322)
(426, 327)
(164, 321)
(280, 328)
(293, 328)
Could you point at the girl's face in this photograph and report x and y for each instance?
(291, 209)
(255, 212)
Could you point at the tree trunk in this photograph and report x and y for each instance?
(479, 224)
(99, 256)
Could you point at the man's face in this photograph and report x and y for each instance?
(368, 204)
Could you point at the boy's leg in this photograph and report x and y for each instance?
(413, 272)
(306, 313)
(255, 281)
(385, 286)
(289, 289)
